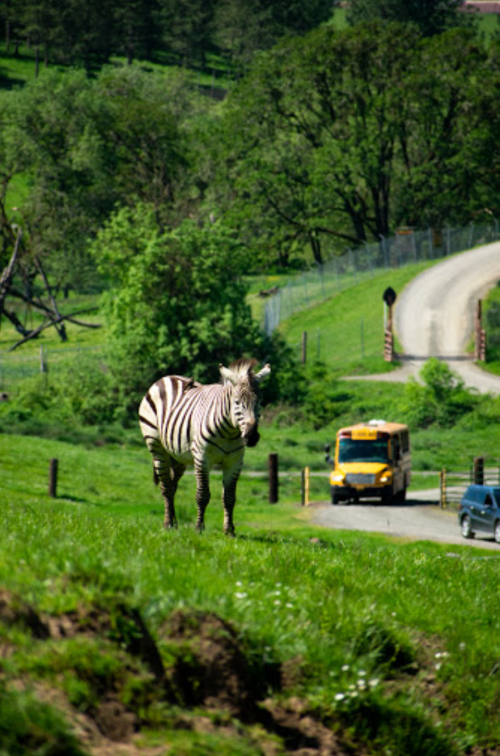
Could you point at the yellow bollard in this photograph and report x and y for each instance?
(306, 486)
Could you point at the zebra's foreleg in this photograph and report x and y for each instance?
(229, 480)
(202, 493)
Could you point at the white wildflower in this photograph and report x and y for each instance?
(345, 668)
(339, 696)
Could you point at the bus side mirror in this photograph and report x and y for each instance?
(327, 448)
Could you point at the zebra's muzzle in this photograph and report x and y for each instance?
(252, 437)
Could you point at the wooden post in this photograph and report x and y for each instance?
(479, 334)
(304, 347)
(478, 471)
(273, 478)
(388, 346)
(53, 478)
(442, 488)
(305, 486)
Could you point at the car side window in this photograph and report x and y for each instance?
(473, 495)
(488, 502)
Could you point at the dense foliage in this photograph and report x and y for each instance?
(429, 16)
(90, 33)
(340, 138)
(179, 303)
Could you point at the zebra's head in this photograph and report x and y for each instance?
(245, 397)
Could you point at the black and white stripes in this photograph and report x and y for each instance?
(183, 421)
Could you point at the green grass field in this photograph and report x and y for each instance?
(384, 643)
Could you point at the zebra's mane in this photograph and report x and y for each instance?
(243, 366)
(242, 370)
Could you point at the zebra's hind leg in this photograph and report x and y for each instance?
(229, 480)
(165, 470)
(202, 492)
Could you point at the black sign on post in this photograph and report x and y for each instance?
(389, 296)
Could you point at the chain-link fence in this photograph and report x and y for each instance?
(340, 273)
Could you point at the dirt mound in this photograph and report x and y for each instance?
(204, 665)
(211, 668)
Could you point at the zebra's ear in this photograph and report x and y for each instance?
(227, 375)
(262, 373)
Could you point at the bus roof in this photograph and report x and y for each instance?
(380, 425)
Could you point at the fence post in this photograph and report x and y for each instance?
(273, 478)
(479, 334)
(53, 465)
(305, 486)
(442, 488)
(304, 347)
(478, 474)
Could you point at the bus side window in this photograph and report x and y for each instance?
(397, 449)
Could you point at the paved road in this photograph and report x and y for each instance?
(434, 315)
(419, 518)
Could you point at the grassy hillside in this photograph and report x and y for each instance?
(117, 632)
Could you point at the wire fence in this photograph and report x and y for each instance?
(454, 483)
(340, 273)
(16, 367)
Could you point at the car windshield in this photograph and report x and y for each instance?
(362, 451)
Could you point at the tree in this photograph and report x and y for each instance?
(86, 146)
(313, 133)
(186, 27)
(243, 28)
(178, 300)
(338, 138)
(429, 16)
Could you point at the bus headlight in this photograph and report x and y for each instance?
(386, 477)
(337, 478)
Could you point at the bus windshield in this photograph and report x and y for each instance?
(363, 451)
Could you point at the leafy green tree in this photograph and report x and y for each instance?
(339, 137)
(243, 28)
(88, 145)
(135, 28)
(312, 137)
(186, 28)
(429, 16)
(446, 147)
(178, 301)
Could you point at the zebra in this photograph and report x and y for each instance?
(183, 421)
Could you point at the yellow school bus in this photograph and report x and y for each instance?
(372, 460)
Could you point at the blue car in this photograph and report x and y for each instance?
(479, 511)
